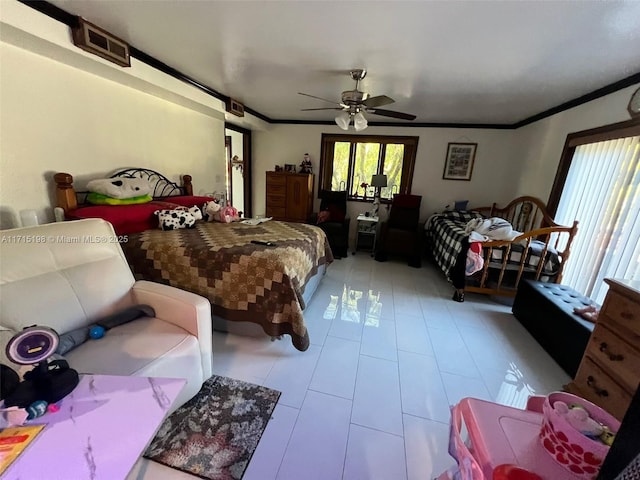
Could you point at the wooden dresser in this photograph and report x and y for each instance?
(289, 196)
(610, 369)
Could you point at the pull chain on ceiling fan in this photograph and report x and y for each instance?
(355, 102)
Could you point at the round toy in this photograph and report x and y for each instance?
(96, 332)
(32, 345)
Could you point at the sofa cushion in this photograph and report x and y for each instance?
(67, 275)
(147, 347)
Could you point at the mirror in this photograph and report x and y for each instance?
(237, 142)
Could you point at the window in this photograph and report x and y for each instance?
(599, 181)
(348, 161)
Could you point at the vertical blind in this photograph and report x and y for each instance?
(602, 193)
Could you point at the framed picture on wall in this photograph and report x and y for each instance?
(459, 162)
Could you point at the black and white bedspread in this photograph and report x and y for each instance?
(447, 238)
(449, 245)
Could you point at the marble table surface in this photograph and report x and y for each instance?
(101, 430)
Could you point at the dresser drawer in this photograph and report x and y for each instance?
(276, 179)
(276, 200)
(276, 189)
(623, 311)
(276, 212)
(615, 355)
(596, 386)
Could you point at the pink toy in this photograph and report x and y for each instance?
(576, 452)
(579, 419)
(228, 215)
(53, 408)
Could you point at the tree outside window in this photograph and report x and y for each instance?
(349, 161)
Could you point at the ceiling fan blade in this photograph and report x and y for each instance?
(378, 101)
(391, 113)
(319, 98)
(310, 109)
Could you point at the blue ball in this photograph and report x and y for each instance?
(96, 332)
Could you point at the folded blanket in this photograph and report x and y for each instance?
(488, 229)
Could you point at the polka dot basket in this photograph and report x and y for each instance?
(576, 452)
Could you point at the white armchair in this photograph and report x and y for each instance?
(67, 275)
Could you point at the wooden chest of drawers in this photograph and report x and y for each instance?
(610, 369)
(289, 196)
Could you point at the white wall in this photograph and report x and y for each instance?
(56, 118)
(491, 181)
(540, 144)
(62, 109)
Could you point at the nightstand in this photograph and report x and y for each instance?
(366, 234)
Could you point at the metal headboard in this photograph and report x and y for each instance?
(161, 185)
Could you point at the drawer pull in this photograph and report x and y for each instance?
(601, 392)
(604, 348)
(627, 315)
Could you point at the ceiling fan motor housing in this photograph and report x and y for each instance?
(353, 97)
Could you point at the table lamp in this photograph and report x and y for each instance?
(377, 182)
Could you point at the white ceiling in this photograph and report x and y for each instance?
(450, 61)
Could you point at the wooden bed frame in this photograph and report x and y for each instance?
(529, 215)
(67, 196)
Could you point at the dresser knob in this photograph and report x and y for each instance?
(601, 392)
(604, 348)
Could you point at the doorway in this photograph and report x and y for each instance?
(238, 156)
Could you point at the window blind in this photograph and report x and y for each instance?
(602, 192)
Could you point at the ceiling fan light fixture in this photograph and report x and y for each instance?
(360, 122)
(343, 120)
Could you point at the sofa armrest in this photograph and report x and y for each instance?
(183, 309)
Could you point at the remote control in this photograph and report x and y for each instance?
(260, 242)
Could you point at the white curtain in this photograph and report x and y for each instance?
(602, 193)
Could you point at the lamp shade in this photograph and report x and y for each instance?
(360, 122)
(342, 120)
(379, 181)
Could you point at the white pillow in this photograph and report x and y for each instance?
(120, 187)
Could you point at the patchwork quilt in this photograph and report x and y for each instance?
(243, 281)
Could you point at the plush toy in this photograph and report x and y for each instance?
(120, 187)
(228, 214)
(210, 211)
(579, 419)
(176, 219)
(607, 437)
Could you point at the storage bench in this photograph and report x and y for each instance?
(546, 311)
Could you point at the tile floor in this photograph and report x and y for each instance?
(390, 351)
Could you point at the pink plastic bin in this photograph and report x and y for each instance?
(566, 445)
(484, 435)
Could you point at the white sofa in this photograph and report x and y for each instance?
(66, 275)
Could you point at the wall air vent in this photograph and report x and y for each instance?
(235, 107)
(95, 40)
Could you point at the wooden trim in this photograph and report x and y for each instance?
(228, 148)
(628, 128)
(598, 93)
(247, 173)
(64, 17)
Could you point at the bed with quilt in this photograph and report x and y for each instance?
(261, 273)
(489, 250)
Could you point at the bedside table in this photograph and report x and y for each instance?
(367, 228)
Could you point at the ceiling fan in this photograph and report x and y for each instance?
(355, 102)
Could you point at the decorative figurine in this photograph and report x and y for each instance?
(306, 166)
